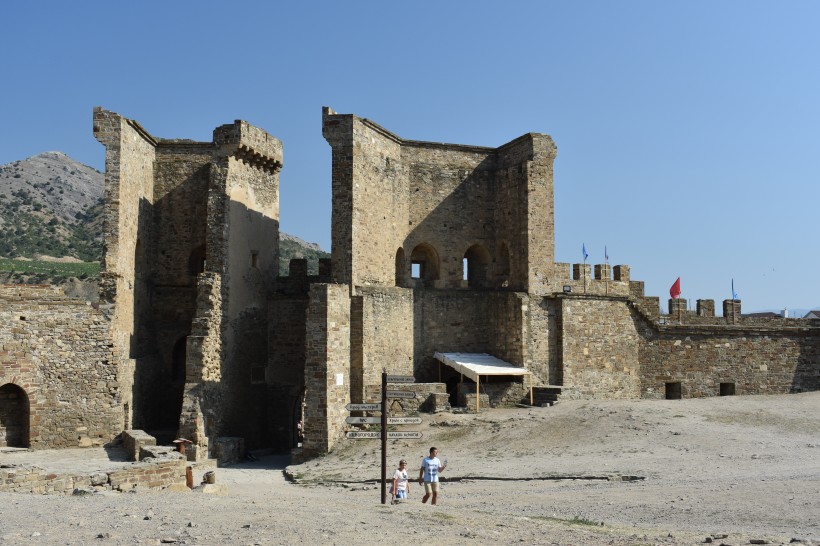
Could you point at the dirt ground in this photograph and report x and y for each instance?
(729, 470)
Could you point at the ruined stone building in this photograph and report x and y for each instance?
(436, 248)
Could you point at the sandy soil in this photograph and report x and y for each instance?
(731, 470)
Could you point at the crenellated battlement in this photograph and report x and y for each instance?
(679, 314)
(298, 279)
(249, 144)
(599, 280)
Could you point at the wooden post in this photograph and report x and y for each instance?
(384, 436)
(477, 394)
(530, 389)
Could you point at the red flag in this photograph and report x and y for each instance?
(675, 290)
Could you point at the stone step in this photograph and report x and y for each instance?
(546, 395)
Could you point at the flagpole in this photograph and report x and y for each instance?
(584, 255)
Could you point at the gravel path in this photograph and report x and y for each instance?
(732, 470)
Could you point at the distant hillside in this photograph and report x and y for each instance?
(294, 247)
(50, 205)
(51, 211)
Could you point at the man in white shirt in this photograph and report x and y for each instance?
(428, 475)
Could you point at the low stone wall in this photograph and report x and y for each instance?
(151, 474)
(427, 397)
(496, 395)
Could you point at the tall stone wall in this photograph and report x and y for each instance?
(600, 348)
(449, 321)
(130, 153)
(182, 173)
(57, 354)
(509, 327)
(327, 366)
(372, 156)
(525, 216)
(252, 263)
(175, 256)
(398, 201)
(452, 205)
(382, 337)
(542, 335)
(286, 340)
(229, 334)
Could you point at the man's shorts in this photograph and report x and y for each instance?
(430, 487)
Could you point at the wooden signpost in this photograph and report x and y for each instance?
(384, 420)
(391, 434)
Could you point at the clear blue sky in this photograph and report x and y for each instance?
(688, 133)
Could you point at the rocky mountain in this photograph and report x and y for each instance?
(51, 209)
(50, 205)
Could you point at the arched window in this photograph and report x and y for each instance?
(14, 416)
(401, 266)
(424, 264)
(477, 266)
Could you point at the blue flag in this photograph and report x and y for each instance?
(584, 251)
(734, 294)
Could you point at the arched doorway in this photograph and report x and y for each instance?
(14, 416)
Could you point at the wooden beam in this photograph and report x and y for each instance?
(530, 389)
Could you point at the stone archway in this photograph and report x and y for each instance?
(14, 416)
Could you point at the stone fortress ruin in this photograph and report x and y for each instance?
(436, 248)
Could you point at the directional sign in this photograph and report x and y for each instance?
(405, 434)
(363, 407)
(401, 394)
(401, 379)
(391, 434)
(367, 420)
(402, 420)
(364, 434)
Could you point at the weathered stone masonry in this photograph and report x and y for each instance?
(191, 249)
(57, 372)
(435, 247)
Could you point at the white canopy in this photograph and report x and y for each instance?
(474, 365)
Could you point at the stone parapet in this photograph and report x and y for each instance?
(249, 143)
